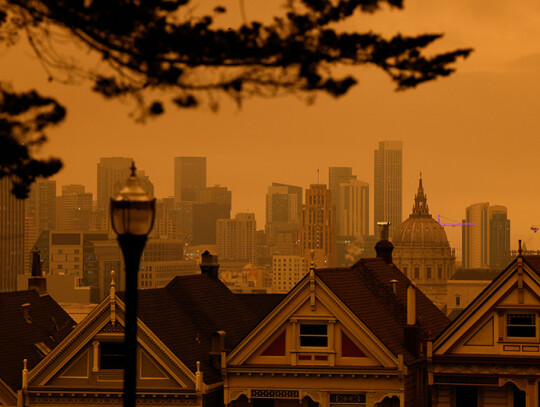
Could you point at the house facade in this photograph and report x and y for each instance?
(490, 354)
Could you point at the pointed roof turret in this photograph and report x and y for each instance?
(420, 207)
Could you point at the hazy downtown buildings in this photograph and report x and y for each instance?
(388, 184)
(213, 203)
(112, 174)
(499, 237)
(283, 211)
(74, 208)
(319, 226)
(41, 205)
(336, 177)
(422, 251)
(189, 178)
(354, 208)
(236, 238)
(287, 271)
(488, 240)
(11, 236)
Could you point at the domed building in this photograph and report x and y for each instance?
(422, 251)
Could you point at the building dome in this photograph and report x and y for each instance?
(422, 251)
(422, 232)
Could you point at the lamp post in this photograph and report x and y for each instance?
(132, 218)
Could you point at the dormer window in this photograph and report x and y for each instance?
(521, 325)
(314, 335)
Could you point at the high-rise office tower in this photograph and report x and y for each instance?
(475, 238)
(11, 237)
(189, 178)
(337, 176)
(112, 174)
(213, 203)
(236, 238)
(75, 209)
(354, 208)
(388, 184)
(319, 226)
(283, 211)
(499, 236)
(41, 205)
(283, 203)
(487, 242)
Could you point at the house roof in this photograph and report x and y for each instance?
(366, 289)
(47, 324)
(186, 313)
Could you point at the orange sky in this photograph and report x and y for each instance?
(474, 136)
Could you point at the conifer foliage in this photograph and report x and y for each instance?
(164, 46)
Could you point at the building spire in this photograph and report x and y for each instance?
(420, 207)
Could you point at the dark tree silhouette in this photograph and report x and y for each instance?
(161, 45)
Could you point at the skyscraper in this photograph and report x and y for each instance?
(499, 236)
(388, 184)
(487, 242)
(354, 208)
(337, 176)
(112, 174)
(189, 178)
(475, 237)
(11, 237)
(319, 226)
(236, 238)
(41, 205)
(75, 208)
(283, 211)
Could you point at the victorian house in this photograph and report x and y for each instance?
(341, 337)
(181, 343)
(490, 354)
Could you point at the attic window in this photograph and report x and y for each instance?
(314, 335)
(521, 325)
(111, 355)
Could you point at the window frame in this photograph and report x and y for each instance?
(523, 313)
(312, 335)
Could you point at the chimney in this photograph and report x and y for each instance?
(410, 332)
(209, 264)
(218, 348)
(36, 281)
(384, 247)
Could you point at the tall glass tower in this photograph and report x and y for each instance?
(388, 184)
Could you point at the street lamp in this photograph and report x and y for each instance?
(132, 218)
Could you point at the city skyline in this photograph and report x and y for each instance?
(469, 119)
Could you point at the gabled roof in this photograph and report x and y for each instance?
(186, 313)
(489, 295)
(47, 325)
(366, 289)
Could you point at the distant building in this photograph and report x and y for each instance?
(464, 287)
(287, 271)
(319, 226)
(488, 240)
(336, 177)
(213, 203)
(11, 237)
(283, 212)
(112, 174)
(74, 208)
(354, 208)
(189, 178)
(499, 237)
(388, 184)
(236, 238)
(41, 205)
(422, 251)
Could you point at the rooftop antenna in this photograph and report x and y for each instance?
(318, 176)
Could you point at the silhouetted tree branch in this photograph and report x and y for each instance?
(160, 45)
